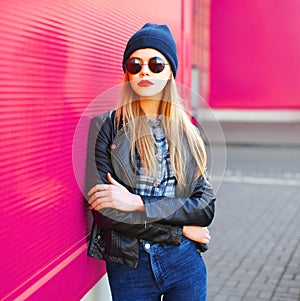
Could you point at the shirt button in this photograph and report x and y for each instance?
(147, 246)
(155, 184)
(113, 146)
(157, 155)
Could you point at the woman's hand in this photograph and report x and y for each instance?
(197, 233)
(114, 195)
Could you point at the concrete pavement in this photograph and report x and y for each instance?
(262, 133)
(255, 249)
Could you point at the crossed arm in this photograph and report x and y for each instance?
(115, 207)
(116, 196)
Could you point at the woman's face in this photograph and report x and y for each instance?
(146, 83)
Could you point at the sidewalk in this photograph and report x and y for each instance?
(255, 248)
(261, 133)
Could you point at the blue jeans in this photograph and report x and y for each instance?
(177, 273)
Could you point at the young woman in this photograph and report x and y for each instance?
(146, 184)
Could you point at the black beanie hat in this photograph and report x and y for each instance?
(154, 36)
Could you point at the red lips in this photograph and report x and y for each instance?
(145, 83)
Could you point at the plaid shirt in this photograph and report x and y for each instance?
(165, 183)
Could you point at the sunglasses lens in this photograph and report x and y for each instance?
(156, 65)
(133, 65)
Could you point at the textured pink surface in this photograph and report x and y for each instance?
(55, 58)
(255, 61)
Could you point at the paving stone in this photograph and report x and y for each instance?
(255, 249)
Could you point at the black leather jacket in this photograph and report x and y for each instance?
(115, 235)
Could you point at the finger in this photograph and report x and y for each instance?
(97, 188)
(96, 201)
(111, 180)
(103, 204)
(206, 232)
(97, 196)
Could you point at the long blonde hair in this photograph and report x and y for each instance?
(183, 138)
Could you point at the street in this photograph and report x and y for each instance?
(255, 248)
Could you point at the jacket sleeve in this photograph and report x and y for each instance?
(197, 209)
(97, 166)
(194, 207)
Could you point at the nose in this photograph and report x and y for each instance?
(145, 70)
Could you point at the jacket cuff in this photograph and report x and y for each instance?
(177, 235)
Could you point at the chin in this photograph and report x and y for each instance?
(148, 94)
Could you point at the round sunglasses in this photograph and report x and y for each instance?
(155, 64)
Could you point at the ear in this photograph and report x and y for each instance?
(126, 77)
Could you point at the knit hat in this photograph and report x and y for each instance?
(154, 36)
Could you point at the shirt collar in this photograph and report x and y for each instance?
(154, 123)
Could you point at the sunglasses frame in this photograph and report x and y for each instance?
(152, 69)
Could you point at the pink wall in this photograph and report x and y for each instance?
(255, 54)
(56, 57)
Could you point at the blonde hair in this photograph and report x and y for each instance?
(183, 138)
